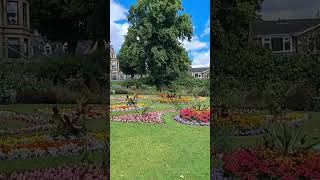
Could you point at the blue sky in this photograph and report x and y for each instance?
(198, 49)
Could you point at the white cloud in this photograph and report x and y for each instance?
(207, 29)
(117, 30)
(201, 59)
(117, 11)
(195, 44)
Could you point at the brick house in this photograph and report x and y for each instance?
(15, 30)
(287, 36)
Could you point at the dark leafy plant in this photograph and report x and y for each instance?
(287, 140)
(72, 124)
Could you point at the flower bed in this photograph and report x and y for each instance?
(292, 118)
(30, 119)
(34, 123)
(151, 117)
(121, 98)
(193, 117)
(250, 125)
(182, 100)
(27, 130)
(259, 163)
(44, 145)
(242, 125)
(63, 173)
(125, 107)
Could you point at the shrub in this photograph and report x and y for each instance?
(298, 97)
(36, 97)
(117, 89)
(64, 95)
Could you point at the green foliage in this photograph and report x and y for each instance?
(72, 125)
(287, 140)
(118, 89)
(219, 137)
(68, 20)
(256, 77)
(13, 82)
(188, 85)
(54, 80)
(199, 106)
(183, 86)
(84, 72)
(250, 76)
(151, 46)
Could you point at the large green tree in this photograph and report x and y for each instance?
(152, 45)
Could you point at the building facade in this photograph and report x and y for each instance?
(15, 30)
(293, 36)
(201, 73)
(115, 72)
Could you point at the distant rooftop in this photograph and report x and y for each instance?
(290, 26)
(199, 69)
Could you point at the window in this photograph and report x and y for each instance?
(259, 41)
(12, 12)
(26, 47)
(267, 43)
(25, 14)
(277, 44)
(13, 48)
(311, 44)
(287, 44)
(65, 47)
(113, 66)
(47, 49)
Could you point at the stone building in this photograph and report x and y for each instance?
(115, 72)
(15, 30)
(287, 36)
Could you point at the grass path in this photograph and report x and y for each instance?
(146, 151)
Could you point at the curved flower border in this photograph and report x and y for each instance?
(139, 118)
(63, 172)
(260, 130)
(51, 148)
(194, 123)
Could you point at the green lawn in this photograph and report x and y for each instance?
(147, 151)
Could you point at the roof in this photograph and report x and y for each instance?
(291, 26)
(199, 69)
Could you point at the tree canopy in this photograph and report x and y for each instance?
(70, 20)
(152, 46)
